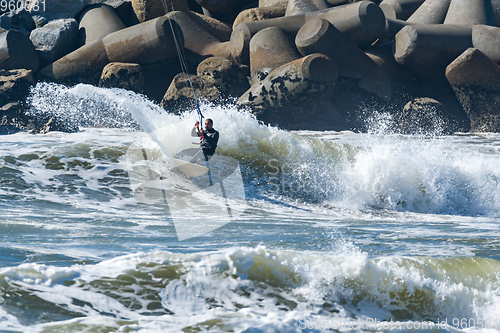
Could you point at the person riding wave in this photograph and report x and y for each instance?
(208, 140)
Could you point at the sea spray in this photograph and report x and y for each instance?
(428, 173)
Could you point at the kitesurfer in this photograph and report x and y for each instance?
(208, 140)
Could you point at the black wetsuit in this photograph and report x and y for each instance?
(208, 142)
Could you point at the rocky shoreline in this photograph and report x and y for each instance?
(297, 64)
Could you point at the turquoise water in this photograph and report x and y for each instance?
(338, 231)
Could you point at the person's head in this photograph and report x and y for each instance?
(209, 124)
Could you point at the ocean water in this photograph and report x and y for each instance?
(336, 231)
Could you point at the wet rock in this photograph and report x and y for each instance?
(225, 74)
(19, 20)
(12, 118)
(422, 116)
(54, 40)
(17, 51)
(475, 78)
(122, 75)
(14, 85)
(180, 93)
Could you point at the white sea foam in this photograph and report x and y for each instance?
(245, 288)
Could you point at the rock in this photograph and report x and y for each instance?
(121, 75)
(97, 21)
(475, 78)
(269, 49)
(57, 9)
(17, 51)
(14, 85)
(19, 19)
(422, 116)
(289, 83)
(487, 40)
(12, 118)
(55, 39)
(180, 92)
(225, 74)
(148, 9)
(428, 49)
(159, 75)
(259, 14)
(40, 21)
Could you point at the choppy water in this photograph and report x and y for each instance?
(340, 231)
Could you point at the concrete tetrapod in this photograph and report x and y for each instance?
(487, 40)
(428, 49)
(297, 7)
(218, 29)
(314, 73)
(363, 22)
(259, 14)
(320, 36)
(197, 39)
(97, 21)
(222, 6)
(402, 8)
(430, 12)
(143, 43)
(475, 79)
(469, 13)
(268, 3)
(269, 49)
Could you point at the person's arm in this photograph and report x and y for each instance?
(194, 131)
